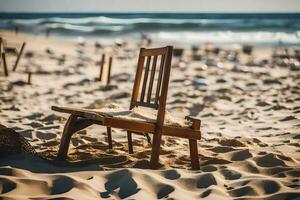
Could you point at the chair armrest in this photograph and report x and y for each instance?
(196, 122)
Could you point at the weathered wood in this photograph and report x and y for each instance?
(66, 137)
(4, 64)
(134, 126)
(151, 79)
(72, 110)
(196, 122)
(165, 86)
(109, 138)
(158, 86)
(137, 81)
(161, 111)
(101, 67)
(145, 104)
(145, 79)
(29, 78)
(130, 146)
(19, 56)
(154, 160)
(193, 144)
(0, 50)
(157, 127)
(181, 132)
(72, 125)
(153, 52)
(194, 154)
(109, 70)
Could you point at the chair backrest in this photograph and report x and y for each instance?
(152, 80)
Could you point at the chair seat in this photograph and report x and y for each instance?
(140, 114)
(111, 116)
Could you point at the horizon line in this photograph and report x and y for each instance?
(151, 12)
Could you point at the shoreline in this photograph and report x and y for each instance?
(225, 39)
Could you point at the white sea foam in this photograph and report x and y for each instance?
(228, 37)
(170, 28)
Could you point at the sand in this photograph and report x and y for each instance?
(250, 112)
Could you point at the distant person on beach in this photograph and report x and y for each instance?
(17, 30)
(47, 32)
(146, 39)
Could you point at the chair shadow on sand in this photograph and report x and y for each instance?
(16, 151)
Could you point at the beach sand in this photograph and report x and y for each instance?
(250, 112)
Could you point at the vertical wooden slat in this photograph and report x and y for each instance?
(19, 56)
(164, 87)
(145, 78)
(101, 67)
(137, 80)
(151, 79)
(162, 62)
(109, 70)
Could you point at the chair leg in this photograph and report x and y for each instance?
(109, 138)
(130, 146)
(154, 161)
(194, 154)
(66, 137)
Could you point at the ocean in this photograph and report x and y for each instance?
(187, 28)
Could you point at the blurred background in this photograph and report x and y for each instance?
(270, 22)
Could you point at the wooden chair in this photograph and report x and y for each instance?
(82, 118)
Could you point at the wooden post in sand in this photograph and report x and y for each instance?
(0, 50)
(29, 78)
(17, 30)
(4, 64)
(109, 70)
(101, 66)
(19, 56)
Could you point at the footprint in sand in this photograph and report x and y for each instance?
(240, 155)
(230, 174)
(269, 160)
(6, 185)
(206, 180)
(45, 135)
